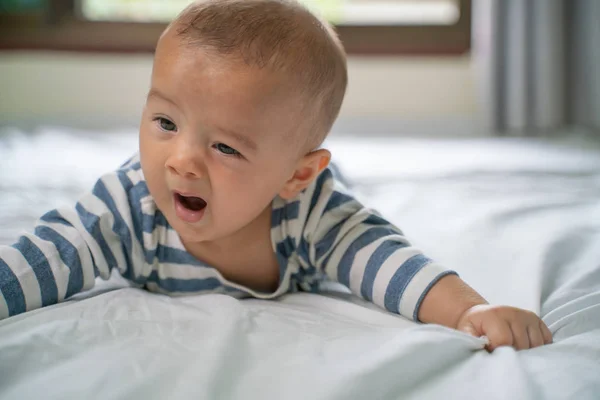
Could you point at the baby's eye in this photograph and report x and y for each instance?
(165, 124)
(223, 148)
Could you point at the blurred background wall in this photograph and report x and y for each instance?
(103, 88)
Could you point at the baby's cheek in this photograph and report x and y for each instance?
(156, 186)
(232, 205)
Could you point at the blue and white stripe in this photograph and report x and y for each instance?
(324, 233)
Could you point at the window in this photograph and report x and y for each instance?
(340, 12)
(365, 26)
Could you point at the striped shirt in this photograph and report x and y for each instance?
(322, 234)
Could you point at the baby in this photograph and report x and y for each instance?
(231, 192)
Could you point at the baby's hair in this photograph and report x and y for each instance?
(279, 35)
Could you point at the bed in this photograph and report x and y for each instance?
(519, 219)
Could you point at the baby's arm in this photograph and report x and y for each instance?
(451, 302)
(356, 247)
(68, 249)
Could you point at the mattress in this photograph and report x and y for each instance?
(519, 219)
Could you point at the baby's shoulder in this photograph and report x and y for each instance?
(328, 193)
(132, 163)
(330, 180)
(331, 183)
(131, 177)
(125, 186)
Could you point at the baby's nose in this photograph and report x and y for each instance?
(187, 164)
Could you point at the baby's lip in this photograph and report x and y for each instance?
(187, 194)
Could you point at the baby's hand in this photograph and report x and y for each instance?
(505, 326)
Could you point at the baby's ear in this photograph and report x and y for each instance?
(308, 168)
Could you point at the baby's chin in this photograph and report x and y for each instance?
(194, 235)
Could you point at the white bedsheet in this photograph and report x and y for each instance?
(518, 219)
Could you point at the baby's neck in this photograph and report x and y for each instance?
(246, 258)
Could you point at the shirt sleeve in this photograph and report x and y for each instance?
(355, 246)
(69, 247)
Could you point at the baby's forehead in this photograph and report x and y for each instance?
(193, 79)
(184, 60)
(176, 60)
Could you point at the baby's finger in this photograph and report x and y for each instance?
(536, 338)
(521, 338)
(499, 334)
(545, 332)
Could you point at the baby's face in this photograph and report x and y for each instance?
(213, 142)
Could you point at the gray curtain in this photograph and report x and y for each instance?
(538, 62)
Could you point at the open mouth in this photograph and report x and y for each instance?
(190, 202)
(190, 209)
